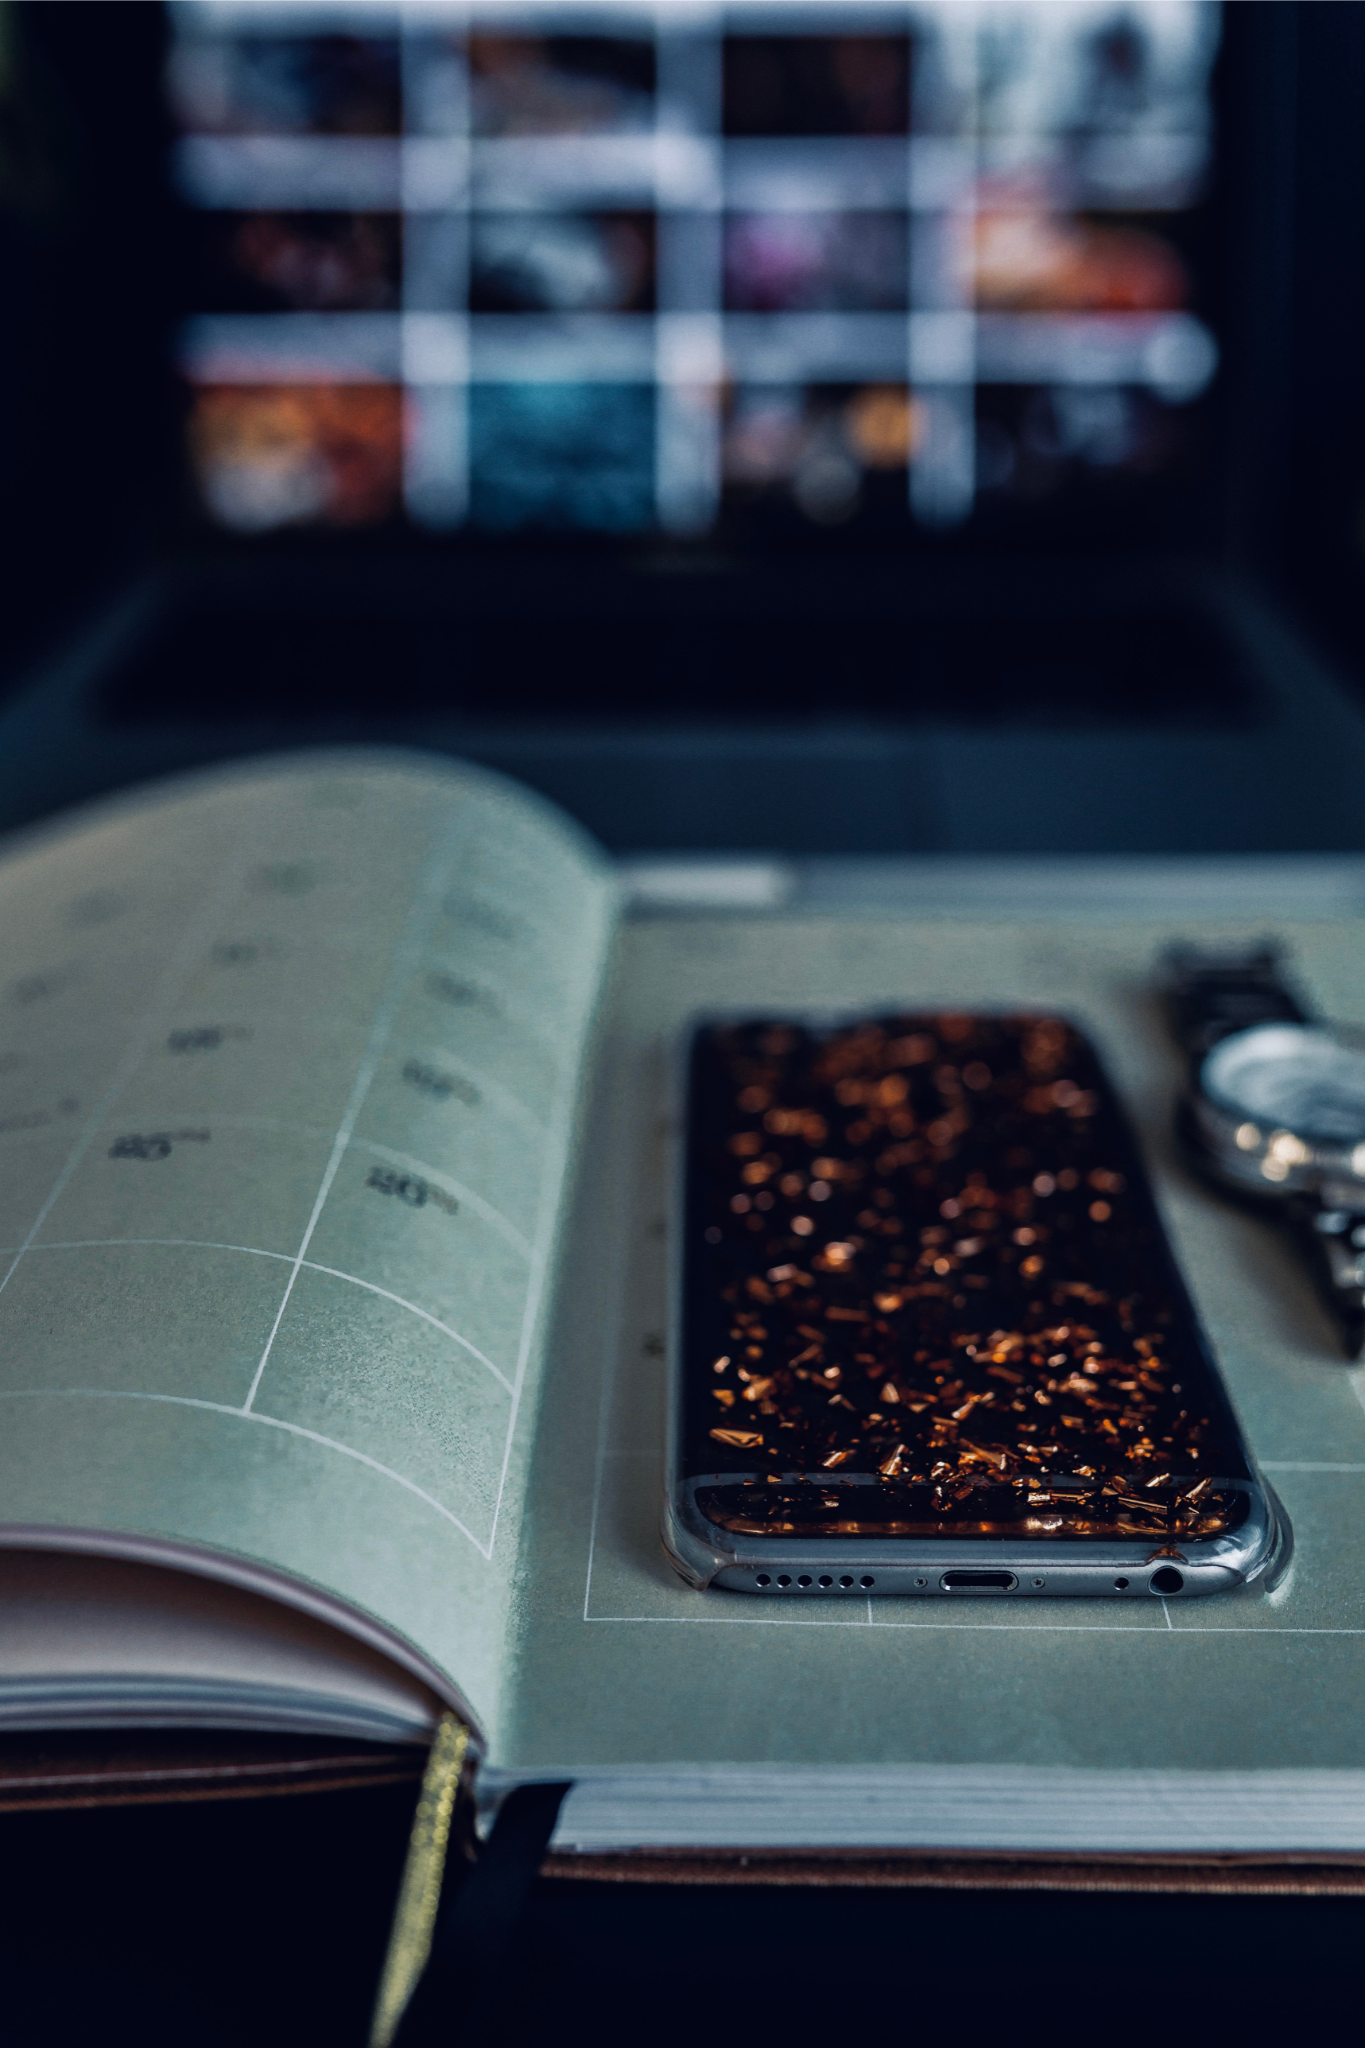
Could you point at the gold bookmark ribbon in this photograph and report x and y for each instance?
(419, 1894)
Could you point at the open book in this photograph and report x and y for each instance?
(333, 1107)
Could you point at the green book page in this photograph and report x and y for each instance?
(622, 1665)
(289, 1061)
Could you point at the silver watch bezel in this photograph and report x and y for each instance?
(1273, 1162)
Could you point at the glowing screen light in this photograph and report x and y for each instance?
(614, 268)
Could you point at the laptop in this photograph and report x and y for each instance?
(795, 427)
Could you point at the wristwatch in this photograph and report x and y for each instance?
(1274, 1109)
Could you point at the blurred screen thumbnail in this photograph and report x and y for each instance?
(825, 452)
(816, 85)
(1027, 259)
(562, 456)
(562, 263)
(816, 262)
(298, 454)
(316, 262)
(288, 84)
(560, 85)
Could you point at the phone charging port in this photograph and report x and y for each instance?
(978, 1582)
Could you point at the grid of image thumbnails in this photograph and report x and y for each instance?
(638, 269)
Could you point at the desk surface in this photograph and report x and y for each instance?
(265, 1921)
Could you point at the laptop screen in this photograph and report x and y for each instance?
(777, 273)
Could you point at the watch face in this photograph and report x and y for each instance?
(1290, 1078)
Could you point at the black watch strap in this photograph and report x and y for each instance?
(1210, 994)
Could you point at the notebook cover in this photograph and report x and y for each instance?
(967, 1871)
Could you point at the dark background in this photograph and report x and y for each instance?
(1205, 695)
(264, 1923)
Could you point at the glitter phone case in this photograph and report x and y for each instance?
(928, 1336)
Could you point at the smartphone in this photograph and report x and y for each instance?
(928, 1337)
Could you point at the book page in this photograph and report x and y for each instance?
(289, 1059)
(626, 1669)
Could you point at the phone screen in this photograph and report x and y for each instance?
(927, 1293)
